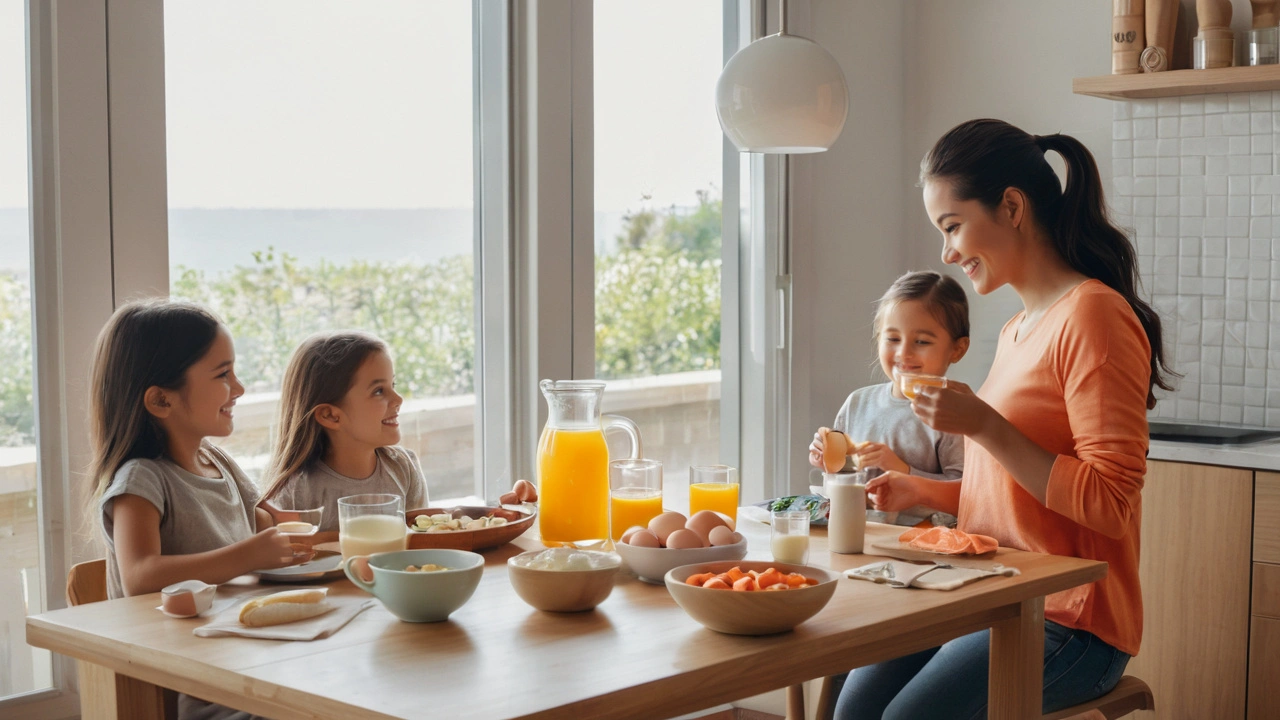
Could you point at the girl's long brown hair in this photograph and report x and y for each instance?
(148, 343)
(320, 372)
(983, 158)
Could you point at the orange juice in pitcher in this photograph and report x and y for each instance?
(573, 463)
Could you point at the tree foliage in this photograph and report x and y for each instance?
(657, 311)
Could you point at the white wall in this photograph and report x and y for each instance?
(847, 209)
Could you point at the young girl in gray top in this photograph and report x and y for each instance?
(338, 429)
(172, 506)
(921, 326)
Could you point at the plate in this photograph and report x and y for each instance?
(519, 518)
(326, 565)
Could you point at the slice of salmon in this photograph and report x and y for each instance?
(948, 541)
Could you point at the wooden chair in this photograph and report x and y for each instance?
(87, 583)
(1129, 695)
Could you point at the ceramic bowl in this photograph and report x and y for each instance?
(751, 613)
(563, 590)
(651, 564)
(418, 596)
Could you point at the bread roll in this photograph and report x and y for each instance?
(285, 607)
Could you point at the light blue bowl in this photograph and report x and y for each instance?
(420, 596)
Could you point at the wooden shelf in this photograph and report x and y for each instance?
(1172, 83)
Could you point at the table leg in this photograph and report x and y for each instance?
(795, 702)
(106, 695)
(1016, 686)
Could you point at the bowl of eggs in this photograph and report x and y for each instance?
(751, 597)
(671, 540)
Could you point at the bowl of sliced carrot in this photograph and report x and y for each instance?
(747, 597)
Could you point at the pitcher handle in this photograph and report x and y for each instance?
(617, 421)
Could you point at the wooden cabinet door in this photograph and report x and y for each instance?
(1266, 521)
(1195, 566)
(1264, 669)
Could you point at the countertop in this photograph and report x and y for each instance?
(1264, 455)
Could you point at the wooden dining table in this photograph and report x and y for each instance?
(637, 655)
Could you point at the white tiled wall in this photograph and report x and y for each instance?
(1198, 180)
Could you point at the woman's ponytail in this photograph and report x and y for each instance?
(982, 158)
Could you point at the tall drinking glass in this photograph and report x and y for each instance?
(714, 487)
(370, 524)
(635, 494)
(789, 536)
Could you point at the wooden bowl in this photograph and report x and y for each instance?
(751, 613)
(562, 590)
(519, 518)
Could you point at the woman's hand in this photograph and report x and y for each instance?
(874, 454)
(893, 491)
(953, 409)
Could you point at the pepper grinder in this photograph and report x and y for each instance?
(1214, 46)
(1126, 36)
(1162, 19)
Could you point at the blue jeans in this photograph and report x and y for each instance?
(951, 681)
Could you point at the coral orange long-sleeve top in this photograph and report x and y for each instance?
(1076, 384)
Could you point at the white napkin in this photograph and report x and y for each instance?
(344, 609)
(900, 574)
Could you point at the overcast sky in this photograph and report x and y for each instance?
(318, 103)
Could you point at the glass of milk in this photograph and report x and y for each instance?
(370, 524)
(789, 539)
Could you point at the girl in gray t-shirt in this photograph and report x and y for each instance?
(339, 428)
(921, 327)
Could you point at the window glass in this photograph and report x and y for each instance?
(658, 167)
(320, 178)
(22, 668)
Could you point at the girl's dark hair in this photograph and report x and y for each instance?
(940, 293)
(147, 343)
(982, 158)
(321, 372)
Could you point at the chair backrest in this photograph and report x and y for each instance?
(87, 582)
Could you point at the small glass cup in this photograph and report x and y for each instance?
(910, 383)
(635, 494)
(789, 536)
(714, 487)
(299, 523)
(370, 524)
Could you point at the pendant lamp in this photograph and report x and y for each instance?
(782, 94)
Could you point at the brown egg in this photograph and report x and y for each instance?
(509, 499)
(666, 523)
(684, 539)
(626, 536)
(834, 451)
(644, 538)
(703, 522)
(724, 536)
(728, 521)
(525, 491)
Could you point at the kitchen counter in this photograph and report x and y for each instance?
(1263, 455)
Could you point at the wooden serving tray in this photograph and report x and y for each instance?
(519, 518)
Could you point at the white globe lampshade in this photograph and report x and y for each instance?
(782, 94)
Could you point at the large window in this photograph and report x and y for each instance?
(320, 178)
(22, 668)
(658, 198)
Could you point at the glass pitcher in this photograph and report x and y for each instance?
(573, 462)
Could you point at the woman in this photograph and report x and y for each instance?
(1056, 439)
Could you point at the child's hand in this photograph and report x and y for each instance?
(893, 491)
(874, 454)
(269, 550)
(815, 448)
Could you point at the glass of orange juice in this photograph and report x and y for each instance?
(714, 487)
(371, 523)
(635, 494)
(910, 383)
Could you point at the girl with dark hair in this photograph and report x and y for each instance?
(1056, 438)
(921, 326)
